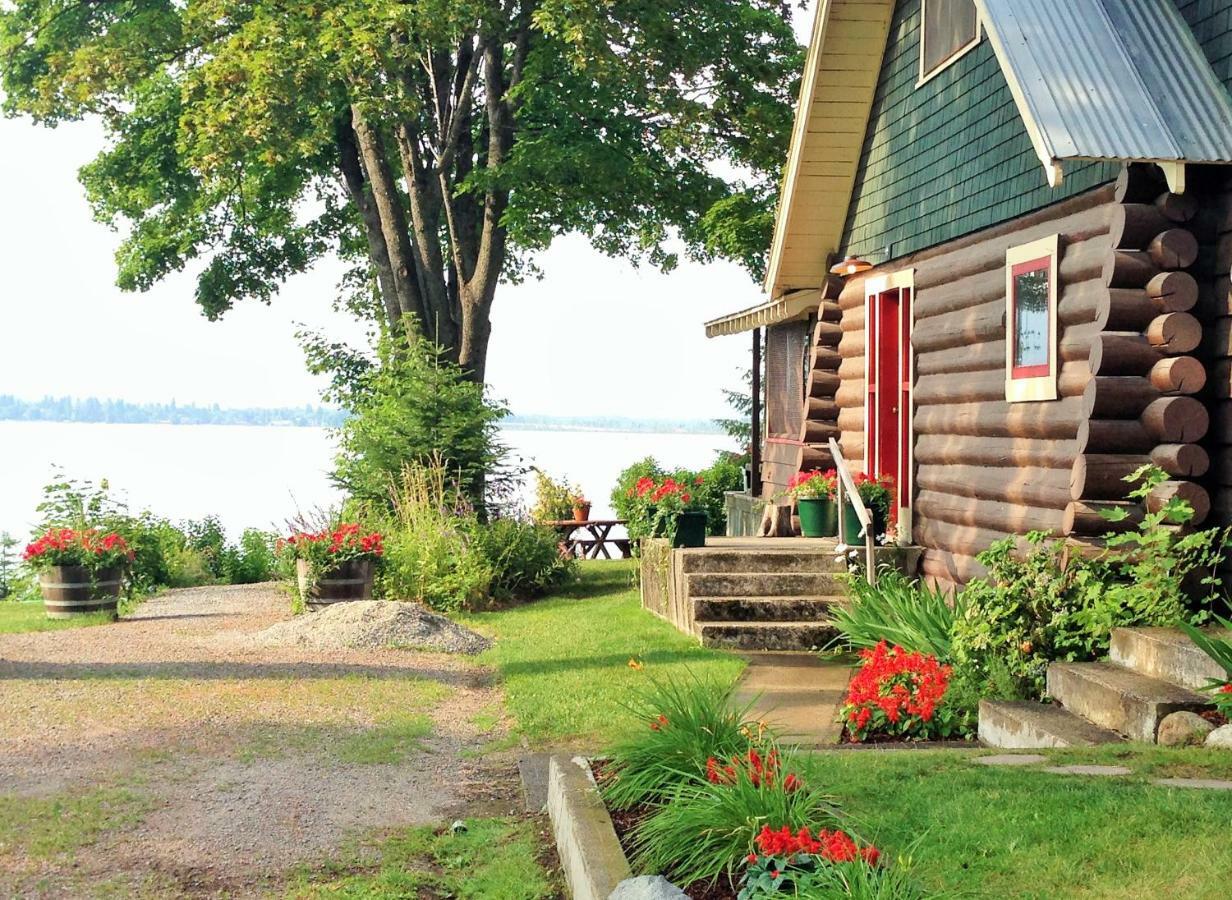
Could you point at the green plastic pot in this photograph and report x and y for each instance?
(818, 517)
(690, 529)
(851, 524)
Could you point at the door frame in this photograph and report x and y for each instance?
(879, 284)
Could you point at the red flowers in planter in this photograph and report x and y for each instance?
(813, 485)
(347, 541)
(77, 547)
(761, 771)
(896, 693)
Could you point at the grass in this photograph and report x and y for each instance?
(1024, 833)
(493, 859)
(568, 662)
(48, 827)
(387, 744)
(21, 617)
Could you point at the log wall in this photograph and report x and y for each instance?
(985, 468)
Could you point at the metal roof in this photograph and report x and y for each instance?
(1110, 80)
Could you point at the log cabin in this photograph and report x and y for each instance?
(1000, 265)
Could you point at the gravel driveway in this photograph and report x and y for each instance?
(173, 756)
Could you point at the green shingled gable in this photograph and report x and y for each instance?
(947, 158)
(1211, 21)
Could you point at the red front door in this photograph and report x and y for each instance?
(888, 450)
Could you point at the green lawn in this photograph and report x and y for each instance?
(16, 618)
(493, 859)
(993, 832)
(569, 661)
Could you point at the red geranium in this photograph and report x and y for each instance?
(813, 485)
(895, 692)
(330, 548)
(78, 547)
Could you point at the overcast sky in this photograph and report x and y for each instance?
(594, 337)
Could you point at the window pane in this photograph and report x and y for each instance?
(949, 25)
(1031, 318)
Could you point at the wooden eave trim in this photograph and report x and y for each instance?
(812, 129)
(796, 305)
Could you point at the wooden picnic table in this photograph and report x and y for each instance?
(591, 539)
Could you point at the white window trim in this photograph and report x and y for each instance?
(955, 56)
(1043, 387)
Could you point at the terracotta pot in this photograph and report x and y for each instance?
(70, 591)
(341, 584)
(581, 512)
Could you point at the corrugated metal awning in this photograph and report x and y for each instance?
(797, 305)
(1111, 80)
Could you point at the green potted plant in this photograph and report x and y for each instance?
(676, 512)
(877, 492)
(80, 570)
(334, 566)
(580, 508)
(814, 493)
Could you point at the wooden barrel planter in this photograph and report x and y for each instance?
(349, 581)
(70, 591)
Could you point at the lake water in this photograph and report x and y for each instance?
(258, 476)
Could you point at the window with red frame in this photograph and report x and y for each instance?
(1031, 321)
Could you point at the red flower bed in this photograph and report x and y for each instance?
(897, 693)
(832, 846)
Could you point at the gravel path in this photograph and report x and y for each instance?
(235, 761)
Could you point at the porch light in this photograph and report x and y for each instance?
(852, 265)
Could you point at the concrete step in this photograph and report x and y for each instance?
(765, 635)
(761, 609)
(1122, 700)
(1164, 653)
(706, 559)
(763, 584)
(1018, 725)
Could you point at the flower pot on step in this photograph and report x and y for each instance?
(350, 581)
(71, 591)
(818, 517)
(851, 524)
(690, 530)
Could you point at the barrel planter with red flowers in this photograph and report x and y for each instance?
(334, 565)
(81, 570)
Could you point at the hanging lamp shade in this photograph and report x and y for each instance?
(852, 265)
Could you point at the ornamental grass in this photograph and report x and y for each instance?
(679, 725)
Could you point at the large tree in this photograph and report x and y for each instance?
(437, 144)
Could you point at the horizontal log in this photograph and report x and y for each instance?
(1175, 248)
(1174, 333)
(1114, 436)
(952, 449)
(1176, 420)
(828, 311)
(1013, 518)
(826, 357)
(1130, 269)
(851, 419)
(1077, 340)
(852, 345)
(1193, 494)
(1058, 419)
(816, 456)
(821, 410)
(963, 328)
(1027, 485)
(1178, 375)
(1087, 519)
(970, 386)
(823, 384)
(950, 568)
(1122, 353)
(1181, 460)
(961, 540)
(852, 368)
(1119, 396)
(1179, 208)
(960, 293)
(827, 334)
(850, 395)
(1173, 291)
(983, 356)
(1102, 476)
(1134, 225)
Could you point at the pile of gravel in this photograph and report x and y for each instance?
(373, 625)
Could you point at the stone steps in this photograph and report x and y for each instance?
(762, 609)
(796, 636)
(763, 584)
(1120, 699)
(1025, 725)
(718, 561)
(1164, 653)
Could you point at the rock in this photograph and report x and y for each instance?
(373, 625)
(1220, 737)
(647, 887)
(1183, 729)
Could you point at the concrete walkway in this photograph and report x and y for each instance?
(799, 694)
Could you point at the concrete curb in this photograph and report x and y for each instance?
(590, 853)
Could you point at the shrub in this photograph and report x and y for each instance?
(553, 499)
(705, 827)
(418, 408)
(8, 564)
(679, 725)
(901, 694)
(898, 610)
(706, 488)
(624, 494)
(207, 538)
(524, 558)
(253, 560)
